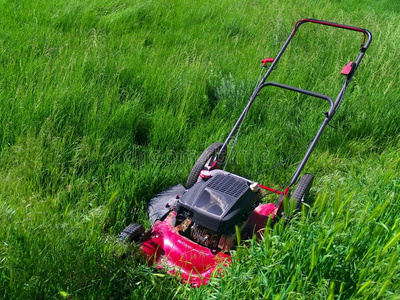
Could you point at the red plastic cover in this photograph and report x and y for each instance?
(192, 263)
(205, 174)
(347, 68)
(267, 60)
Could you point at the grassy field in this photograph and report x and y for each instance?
(103, 104)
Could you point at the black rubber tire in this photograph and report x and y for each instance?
(205, 160)
(132, 233)
(301, 191)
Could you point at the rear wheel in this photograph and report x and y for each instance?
(204, 162)
(301, 191)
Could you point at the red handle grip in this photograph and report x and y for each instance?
(364, 31)
(267, 60)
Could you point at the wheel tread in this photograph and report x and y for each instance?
(302, 189)
(131, 232)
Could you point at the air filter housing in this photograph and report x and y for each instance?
(220, 203)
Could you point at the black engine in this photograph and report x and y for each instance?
(216, 206)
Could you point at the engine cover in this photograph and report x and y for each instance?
(220, 203)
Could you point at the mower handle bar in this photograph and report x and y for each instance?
(333, 105)
(295, 89)
(367, 33)
(364, 46)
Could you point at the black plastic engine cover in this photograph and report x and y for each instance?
(219, 203)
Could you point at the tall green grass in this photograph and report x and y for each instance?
(103, 104)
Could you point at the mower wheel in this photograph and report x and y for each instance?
(132, 233)
(204, 162)
(301, 191)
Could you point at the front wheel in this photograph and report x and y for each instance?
(204, 162)
(132, 233)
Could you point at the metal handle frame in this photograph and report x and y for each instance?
(334, 105)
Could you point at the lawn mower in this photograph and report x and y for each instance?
(194, 227)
